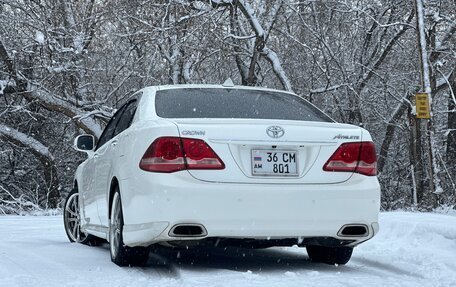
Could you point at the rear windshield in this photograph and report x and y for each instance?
(233, 103)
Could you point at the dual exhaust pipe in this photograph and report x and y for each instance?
(188, 230)
(198, 230)
(353, 230)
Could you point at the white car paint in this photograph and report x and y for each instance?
(229, 203)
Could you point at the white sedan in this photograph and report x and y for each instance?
(224, 165)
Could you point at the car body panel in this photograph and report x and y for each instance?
(247, 211)
(232, 202)
(314, 143)
(86, 186)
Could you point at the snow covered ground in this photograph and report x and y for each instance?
(412, 249)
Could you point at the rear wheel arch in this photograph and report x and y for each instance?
(121, 254)
(112, 190)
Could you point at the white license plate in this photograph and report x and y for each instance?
(274, 162)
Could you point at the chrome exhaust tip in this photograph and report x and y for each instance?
(353, 230)
(187, 230)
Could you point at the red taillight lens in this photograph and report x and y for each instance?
(357, 157)
(163, 155)
(170, 154)
(199, 155)
(367, 163)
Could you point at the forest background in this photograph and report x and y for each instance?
(65, 65)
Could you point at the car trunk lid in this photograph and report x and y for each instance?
(265, 151)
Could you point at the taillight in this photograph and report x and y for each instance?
(359, 157)
(170, 154)
(163, 155)
(199, 155)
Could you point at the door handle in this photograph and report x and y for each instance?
(114, 143)
(95, 156)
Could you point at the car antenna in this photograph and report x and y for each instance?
(228, 83)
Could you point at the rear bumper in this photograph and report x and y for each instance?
(153, 203)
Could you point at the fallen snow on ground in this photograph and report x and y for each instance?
(412, 249)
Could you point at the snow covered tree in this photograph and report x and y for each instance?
(65, 65)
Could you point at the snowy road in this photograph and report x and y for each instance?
(412, 249)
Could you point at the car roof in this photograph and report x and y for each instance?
(212, 86)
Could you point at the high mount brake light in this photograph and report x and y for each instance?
(171, 154)
(359, 157)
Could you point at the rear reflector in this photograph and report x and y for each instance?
(171, 154)
(359, 157)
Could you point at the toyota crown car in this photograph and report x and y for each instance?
(224, 165)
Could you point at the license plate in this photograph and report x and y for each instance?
(274, 162)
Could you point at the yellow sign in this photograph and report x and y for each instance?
(422, 106)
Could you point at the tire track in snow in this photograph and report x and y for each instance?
(412, 249)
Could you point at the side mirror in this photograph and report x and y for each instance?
(84, 143)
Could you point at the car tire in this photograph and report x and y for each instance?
(329, 255)
(121, 254)
(72, 221)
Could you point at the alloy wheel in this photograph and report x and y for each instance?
(72, 219)
(115, 227)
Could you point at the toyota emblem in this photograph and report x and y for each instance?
(275, 131)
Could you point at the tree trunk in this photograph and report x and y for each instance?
(41, 153)
(451, 138)
(390, 129)
(416, 157)
(424, 142)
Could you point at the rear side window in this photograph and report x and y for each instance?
(126, 118)
(233, 103)
(108, 132)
